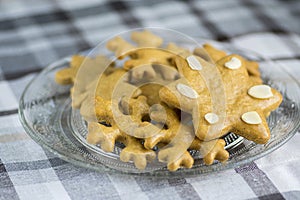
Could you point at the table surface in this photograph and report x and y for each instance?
(34, 33)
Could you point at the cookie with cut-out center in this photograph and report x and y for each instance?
(145, 58)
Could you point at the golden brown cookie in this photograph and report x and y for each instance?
(90, 67)
(211, 150)
(150, 90)
(103, 88)
(120, 46)
(149, 57)
(146, 39)
(118, 124)
(214, 53)
(144, 57)
(83, 72)
(213, 120)
(67, 75)
(177, 50)
(179, 136)
(143, 39)
(107, 136)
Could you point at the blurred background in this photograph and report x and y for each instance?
(34, 33)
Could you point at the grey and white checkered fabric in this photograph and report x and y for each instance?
(34, 33)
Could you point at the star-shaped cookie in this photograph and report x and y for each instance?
(220, 100)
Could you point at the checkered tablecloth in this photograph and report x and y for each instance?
(34, 33)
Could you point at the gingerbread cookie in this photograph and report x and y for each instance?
(211, 150)
(179, 137)
(85, 70)
(107, 131)
(107, 136)
(66, 76)
(146, 39)
(120, 46)
(102, 88)
(194, 96)
(145, 56)
(177, 50)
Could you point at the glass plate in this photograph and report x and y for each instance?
(46, 114)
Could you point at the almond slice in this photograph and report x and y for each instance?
(187, 91)
(211, 118)
(251, 117)
(260, 91)
(234, 63)
(194, 63)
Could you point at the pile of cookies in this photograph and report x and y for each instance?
(164, 100)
